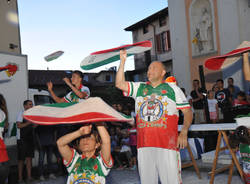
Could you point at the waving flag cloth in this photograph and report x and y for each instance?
(104, 57)
(53, 56)
(3, 152)
(90, 110)
(220, 62)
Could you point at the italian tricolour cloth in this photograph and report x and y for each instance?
(224, 61)
(91, 110)
(103, 57)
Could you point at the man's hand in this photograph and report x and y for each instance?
(67, 81)
(123, 55)
(50, 85)
(86, 129)
(245, 54)
(182, 139)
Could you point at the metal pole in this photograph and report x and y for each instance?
(203, 86)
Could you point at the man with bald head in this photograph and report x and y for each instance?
(157, 104)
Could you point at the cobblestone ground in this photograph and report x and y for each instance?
(131, 177)
(127, 176)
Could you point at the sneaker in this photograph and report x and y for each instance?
(52, 176)
(133, 168)
(42, 178)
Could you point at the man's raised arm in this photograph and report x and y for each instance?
(120, 77)
(246, 67)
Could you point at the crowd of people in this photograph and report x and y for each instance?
(123, 140)
(32, 137)
(151, 144)
(223, 102)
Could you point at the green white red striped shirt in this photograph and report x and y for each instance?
(157, 113)
(90, 171)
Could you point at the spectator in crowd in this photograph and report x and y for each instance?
(189, 99)
(215, 88)
(4, 166)
(46, 140)
(197, 102)
(25, 145)
(224, 101)
(119, 107)
(241, 99)
(78, 93)
(213, 107)
(133, 145)
(114, 106)
(234, 89)
(115, 150)
(125, 152)
(231, 90)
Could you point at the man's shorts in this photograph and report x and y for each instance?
(199, 116)
(133, 151)
(25, 149)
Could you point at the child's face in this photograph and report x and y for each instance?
(119, 107)
(75, 79)
(240, 98)
(211, 94)
(88, 144)
(219, 84)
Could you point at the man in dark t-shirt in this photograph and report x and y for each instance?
(197, 102)
(224, 99)
(25, 145)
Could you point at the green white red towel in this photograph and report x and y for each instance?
(90, 110)
(53, 56)
(220, 62)
(100, 58)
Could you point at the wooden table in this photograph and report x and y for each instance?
(221, 128)
(192, 163)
